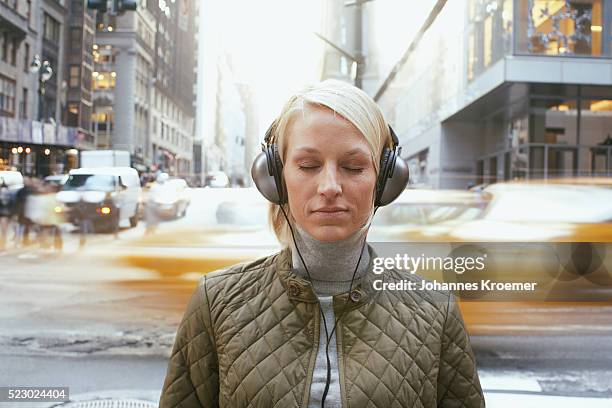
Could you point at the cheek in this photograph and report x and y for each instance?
(362, 192)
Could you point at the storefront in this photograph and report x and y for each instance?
(552, 130)
(37, 149)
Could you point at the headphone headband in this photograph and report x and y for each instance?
(267, 171)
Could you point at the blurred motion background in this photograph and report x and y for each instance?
(128, 129)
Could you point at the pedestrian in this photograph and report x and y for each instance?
(85, 221)
(6, 212)
(304, 327)
(42, 210)
(21, 199)
(154, 191)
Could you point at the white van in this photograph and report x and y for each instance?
(105, 195)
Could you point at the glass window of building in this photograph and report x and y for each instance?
(75, 76)
(4, 41)
(26, 56)
(489, 34)
(103, 80)
(7, 97)
(24, 104)
(51, 29)
(73, 114)
(596, 136)
(560, 27)
(76, 37)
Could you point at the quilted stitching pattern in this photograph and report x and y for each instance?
(244, 342)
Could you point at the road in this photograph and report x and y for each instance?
(80, 319)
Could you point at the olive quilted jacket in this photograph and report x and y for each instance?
(250, 337)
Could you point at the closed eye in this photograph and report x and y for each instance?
(308, 168)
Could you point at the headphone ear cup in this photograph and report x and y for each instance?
(395, 184)
(382, 174)
(278, 175)
(263, 178)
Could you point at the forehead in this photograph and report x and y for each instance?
(318, 128)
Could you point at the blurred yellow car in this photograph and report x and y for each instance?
(505, 212)
(555, 211)
(508, 218)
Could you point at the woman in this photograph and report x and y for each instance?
(303, 327)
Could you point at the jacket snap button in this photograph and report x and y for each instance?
(309, 332)
(294, 289)
(355, 296)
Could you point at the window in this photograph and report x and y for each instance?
(51, 29)
(489, 34)
(102, 121)
(73, 115)
(75, 76)
(76, 38)
(28, 10)
(103, 80)
(26, 56)
(85, 117)
(14, 49)
(4, 46)
(556, 27)
(24, 105)
(77, 7)
(7, 97)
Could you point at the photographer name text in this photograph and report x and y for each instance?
(482, 285)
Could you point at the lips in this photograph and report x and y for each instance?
(330, 209)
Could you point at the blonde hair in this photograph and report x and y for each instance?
(345, 100)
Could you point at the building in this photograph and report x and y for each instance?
(77, 108)
(230, 122)
(144, 85)
(516, 89)
(33, 102)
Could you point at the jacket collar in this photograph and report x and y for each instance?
(300, 289)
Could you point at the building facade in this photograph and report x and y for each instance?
(36, 136)
(516, 89)
(144, 85)
(79, 40)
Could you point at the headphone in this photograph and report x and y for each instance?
(267, 172)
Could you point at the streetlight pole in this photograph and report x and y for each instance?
(358, 57)
(45, 72)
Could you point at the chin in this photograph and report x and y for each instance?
(330, 233)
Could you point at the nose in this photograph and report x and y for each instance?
(329, 185)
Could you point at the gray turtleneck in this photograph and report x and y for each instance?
(331, 266)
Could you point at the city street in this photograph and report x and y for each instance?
(82, 320)
(145, 144)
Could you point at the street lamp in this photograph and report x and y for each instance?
(358, 60)
(45, 72)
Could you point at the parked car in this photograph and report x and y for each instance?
(107, 195)
(10, 183)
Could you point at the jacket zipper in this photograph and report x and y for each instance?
(341, 360)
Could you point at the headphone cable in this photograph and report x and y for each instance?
(328, 335)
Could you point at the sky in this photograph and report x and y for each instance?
(275, 51)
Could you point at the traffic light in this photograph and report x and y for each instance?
(99, 5)
(123, 5)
